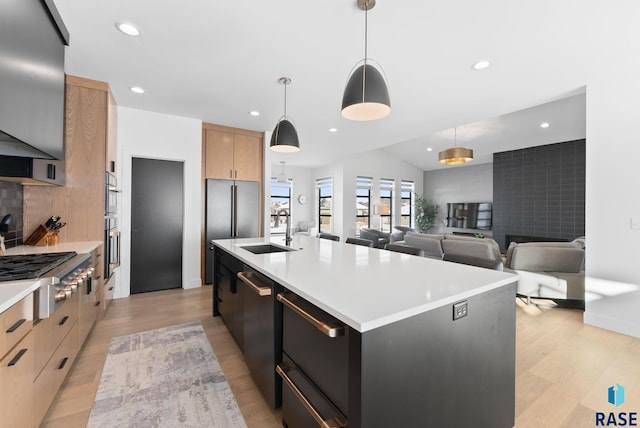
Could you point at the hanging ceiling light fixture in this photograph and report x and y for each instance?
(455, 155)
(284, 138)
(282, 177)
(366, 96)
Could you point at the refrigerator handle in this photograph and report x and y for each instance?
(235, 210)
(233, 220)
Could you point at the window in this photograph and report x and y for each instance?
(386, 204)
(407, 190)
(363, 202)
(325, 204)
(280, 206)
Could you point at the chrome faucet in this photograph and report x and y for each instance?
(287, 235)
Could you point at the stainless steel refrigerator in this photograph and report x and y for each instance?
(233, 211)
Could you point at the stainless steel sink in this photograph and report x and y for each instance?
(265, 248)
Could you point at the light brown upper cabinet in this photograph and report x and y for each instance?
(232, 155)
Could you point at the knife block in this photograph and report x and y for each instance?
(41, 237)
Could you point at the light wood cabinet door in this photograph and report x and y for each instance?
(247, 157)
(16, 385)
(219, 147)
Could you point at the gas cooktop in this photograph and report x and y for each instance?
(31, 266)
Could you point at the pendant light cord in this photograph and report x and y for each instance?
(285, 99)
(364, 68)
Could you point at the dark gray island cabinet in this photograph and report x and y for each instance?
(447, 360)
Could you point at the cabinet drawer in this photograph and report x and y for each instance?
(16, 385)
(323, 359)
(54, 372)
(49, 332)
(15, 323)
(303, 404)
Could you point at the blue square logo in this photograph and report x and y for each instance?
(616, 395)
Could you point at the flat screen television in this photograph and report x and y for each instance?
(469, 215)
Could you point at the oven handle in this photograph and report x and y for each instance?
(334, 422)
(329, 329)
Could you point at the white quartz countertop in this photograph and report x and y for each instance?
(11, 292)
(366, 287)
(82, 247)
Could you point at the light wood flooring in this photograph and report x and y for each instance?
(563, 367)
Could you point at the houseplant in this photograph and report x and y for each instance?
(426, 212)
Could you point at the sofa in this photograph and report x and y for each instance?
(553, 270)
(436, 245)
(379, 238)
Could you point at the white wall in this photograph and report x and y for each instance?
(472, 183)
(302, 184)
(376, 164)
(158, 136)
(612, 183)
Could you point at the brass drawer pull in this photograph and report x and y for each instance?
(330, 329)
(16, 326)
(260, 290)
(335, 422)
(15, 359)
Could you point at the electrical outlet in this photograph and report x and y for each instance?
(459, 310)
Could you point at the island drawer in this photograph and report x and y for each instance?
(303, 404)
(318, 344)
(15, 322)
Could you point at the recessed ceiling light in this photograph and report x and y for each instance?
(333, 129)
(481, 65)
(254, 113)
(136, 90)
(429, 149)
(128, 29)
(544, 125)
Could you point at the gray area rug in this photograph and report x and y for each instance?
(167, 377)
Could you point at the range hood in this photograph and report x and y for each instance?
(32, 102)
(32, 171)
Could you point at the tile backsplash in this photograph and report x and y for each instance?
(11, 199)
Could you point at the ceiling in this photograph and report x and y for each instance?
(216, 60)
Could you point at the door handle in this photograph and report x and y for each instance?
(330, 329)
(260, 290)
(335, 422)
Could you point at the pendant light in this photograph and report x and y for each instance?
(366, 96)
(455, 155)
(282, 177)
(284, 138)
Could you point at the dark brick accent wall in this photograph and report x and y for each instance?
(11, 203)
(540, 191)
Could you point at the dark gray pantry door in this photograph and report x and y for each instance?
(157, 202)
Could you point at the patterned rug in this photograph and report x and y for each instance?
(167, 377)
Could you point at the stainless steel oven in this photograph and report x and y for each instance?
(111, 246)
(111, 194)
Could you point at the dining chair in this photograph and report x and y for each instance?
(360, 241)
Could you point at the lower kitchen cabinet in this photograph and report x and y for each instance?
(56, 338)
(55, 370)
(262, 318)
(227, 297)
(17, 358)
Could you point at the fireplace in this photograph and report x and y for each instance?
(509, 238)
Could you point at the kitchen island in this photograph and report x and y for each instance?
(397, 340)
